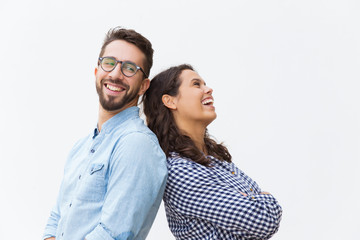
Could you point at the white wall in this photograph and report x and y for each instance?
(285, 76)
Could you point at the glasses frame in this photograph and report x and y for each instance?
(121, 62)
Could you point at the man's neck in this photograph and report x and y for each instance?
(105, 115)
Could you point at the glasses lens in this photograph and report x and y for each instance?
(128, 68)
(108, 64)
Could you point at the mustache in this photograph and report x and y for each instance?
(115, 81)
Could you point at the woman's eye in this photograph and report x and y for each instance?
(196, 83)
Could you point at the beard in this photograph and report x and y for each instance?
(113, 103)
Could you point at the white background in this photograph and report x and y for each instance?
(285, 76)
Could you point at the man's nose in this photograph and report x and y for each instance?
(116, 72)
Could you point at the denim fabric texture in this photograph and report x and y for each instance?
(113, 183)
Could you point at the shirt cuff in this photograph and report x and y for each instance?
(47, 236)
(99, 233)
(49, 232)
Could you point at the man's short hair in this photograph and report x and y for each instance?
(131, 36)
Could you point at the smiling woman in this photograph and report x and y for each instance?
(193, 107)
(206, 195)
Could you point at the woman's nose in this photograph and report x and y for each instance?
(208, 90)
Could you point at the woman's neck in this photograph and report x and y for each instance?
(196, 132)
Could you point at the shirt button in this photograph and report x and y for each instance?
(253, 197)
(92, 150)
(251, 189)
(79, 176)
(232, 172)
(62, 234)
(70, 205)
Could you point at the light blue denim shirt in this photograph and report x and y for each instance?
(113, 183)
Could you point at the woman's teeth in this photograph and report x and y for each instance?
(207, 101)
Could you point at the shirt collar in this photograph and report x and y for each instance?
(116, 120)
(96, 132)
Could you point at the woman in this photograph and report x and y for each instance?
(206, 196)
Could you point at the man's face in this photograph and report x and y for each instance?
(116, 91)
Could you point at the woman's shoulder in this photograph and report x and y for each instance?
(175, 162)
(176, 159)
(182, 170)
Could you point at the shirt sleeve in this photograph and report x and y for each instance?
(53, 220)
(137, 178)
(193, 191)
(52, 223)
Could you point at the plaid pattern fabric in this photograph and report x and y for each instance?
(206, 203)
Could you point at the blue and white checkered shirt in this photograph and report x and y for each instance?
(206, 203)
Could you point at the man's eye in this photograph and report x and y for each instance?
(109, 62)
(129, 67)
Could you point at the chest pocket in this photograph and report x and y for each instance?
(92, 186)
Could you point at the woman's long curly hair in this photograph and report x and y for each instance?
(161, 121)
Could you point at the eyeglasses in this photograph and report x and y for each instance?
(127, 68)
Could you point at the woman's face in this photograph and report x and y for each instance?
(194, 102)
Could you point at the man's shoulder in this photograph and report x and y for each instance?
(134, 135)
(133, 128)
(137, 141)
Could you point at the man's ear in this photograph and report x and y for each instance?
(96, 69)
(145, 84)
(168, 101)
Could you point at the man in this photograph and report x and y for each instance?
(114, 179)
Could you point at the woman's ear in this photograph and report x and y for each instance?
(168, 101)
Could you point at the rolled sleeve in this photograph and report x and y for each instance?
(51, 226)
(52, 223)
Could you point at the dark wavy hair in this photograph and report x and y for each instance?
(161, 121)
(131, 36)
